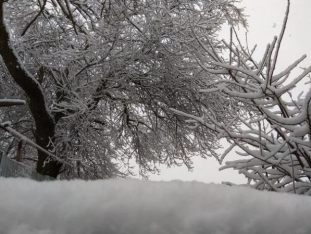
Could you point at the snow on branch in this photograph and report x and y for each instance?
(269, 125)
(7, 127)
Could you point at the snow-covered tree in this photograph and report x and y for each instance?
(270, 126)
(99, 78)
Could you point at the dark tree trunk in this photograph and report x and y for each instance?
(45, 125)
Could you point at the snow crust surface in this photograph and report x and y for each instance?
(145, 207)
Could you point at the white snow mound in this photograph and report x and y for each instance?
(145, 207)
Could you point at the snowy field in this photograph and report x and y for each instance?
(145, 207)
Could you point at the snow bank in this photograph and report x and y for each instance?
(144, 207)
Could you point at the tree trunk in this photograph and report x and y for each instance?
(45, 125)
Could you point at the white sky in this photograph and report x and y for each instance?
(265, 19)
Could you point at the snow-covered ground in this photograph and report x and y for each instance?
(145, 207)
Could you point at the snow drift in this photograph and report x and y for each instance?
(134, 207)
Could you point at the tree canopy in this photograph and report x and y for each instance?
(100, 77)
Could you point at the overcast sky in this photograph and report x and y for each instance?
(265, 19)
